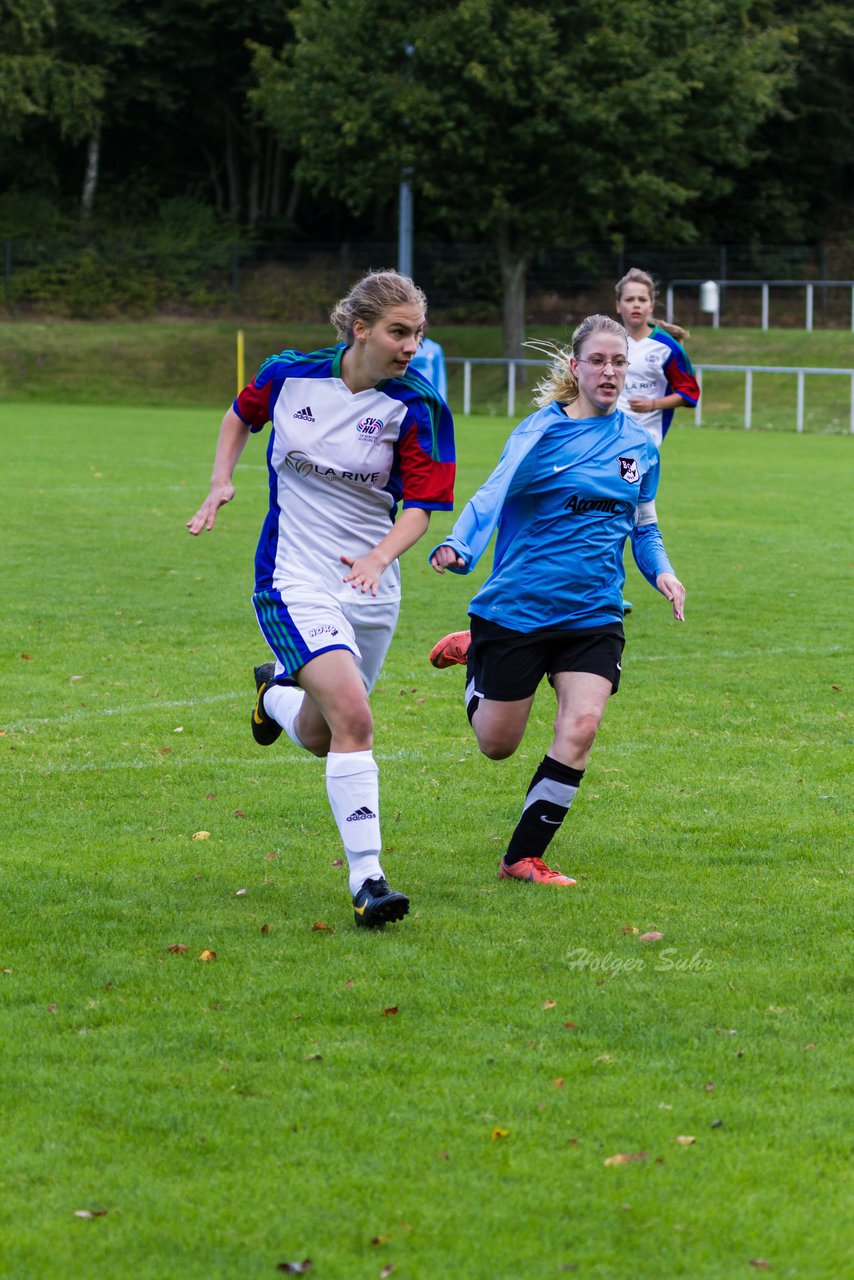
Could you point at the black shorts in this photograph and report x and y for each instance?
(507, 666)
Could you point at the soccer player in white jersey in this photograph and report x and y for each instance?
(660, 377)
(575, 480)
(355, 435)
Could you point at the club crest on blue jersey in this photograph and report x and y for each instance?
(629, 470)
(369, 428)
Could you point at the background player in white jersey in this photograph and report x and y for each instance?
(660, 376)
(575, 480)
(355, 434)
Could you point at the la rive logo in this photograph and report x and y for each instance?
(369, 428)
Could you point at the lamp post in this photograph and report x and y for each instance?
(404, 203)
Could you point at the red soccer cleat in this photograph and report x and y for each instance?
(531, 869)
(451, 650)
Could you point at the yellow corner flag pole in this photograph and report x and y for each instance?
(241, 381)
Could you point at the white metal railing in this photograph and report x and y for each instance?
(750, 369)
(765, 287)
(747, 369)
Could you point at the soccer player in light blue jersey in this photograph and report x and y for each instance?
(575, 480)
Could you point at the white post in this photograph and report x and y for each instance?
(467, 388)
(748, 399)
(799, 424)
(404, 225)
(698, 410)
(670, 305)
(511, 389)
(765, 292)
(809, 308)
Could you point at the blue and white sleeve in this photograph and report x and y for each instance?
(647, 543)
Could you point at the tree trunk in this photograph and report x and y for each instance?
(90, 179)
(514, 272)
(232, 167)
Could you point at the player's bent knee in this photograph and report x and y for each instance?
(496, 746)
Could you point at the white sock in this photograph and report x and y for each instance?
(283, 702)
(353, 787)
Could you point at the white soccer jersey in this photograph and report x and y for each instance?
(658, 366)
(340, 463)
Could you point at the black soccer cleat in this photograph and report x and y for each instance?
(375, 904)
(265, 730)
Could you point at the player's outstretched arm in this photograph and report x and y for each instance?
(233, 434)
(366, 571)
(670, 586)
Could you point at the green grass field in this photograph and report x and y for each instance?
(441, 1099)
(194, 362)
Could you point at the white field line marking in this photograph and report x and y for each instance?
(71, 717)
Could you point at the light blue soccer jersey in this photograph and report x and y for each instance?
(565, 496)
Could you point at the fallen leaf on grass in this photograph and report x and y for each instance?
(708, 1086)
(238, 813)
(497, 1134)
(295, 1268)
(201, 835)
(27, 657)
(812, 1044)
(627, 1157)
(265, 928)
(320, 926)
(211, 795)
(338, 862)
(390, 1011)
(761, 1263)
(271, 855)
(654, 936)
(630, 928)
(387, 1270)
(90, 1213)
(52, 1007)
(686, 1140)
(241, 893)
(549, 1004)
(559, 1082)
(570, 1026)
(207, 954)
(178, 948)
(166, 751)
(383, 1239)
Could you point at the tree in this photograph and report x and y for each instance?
(566, 123)
(37, 84)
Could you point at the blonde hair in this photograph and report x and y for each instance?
(560, 383)
(370, 297)
(634, 275)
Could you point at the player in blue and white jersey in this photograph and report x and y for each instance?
(429, 360)
(660, 377)
(575, 480)
(361, 450)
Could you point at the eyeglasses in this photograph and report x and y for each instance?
(598, 362)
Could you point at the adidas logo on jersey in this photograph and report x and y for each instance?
(361, 814)
(305, 415)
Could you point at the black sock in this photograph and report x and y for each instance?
(552, 791)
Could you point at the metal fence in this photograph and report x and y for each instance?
(748, 370)
(764, 286)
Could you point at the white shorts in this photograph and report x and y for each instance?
(310, 622)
